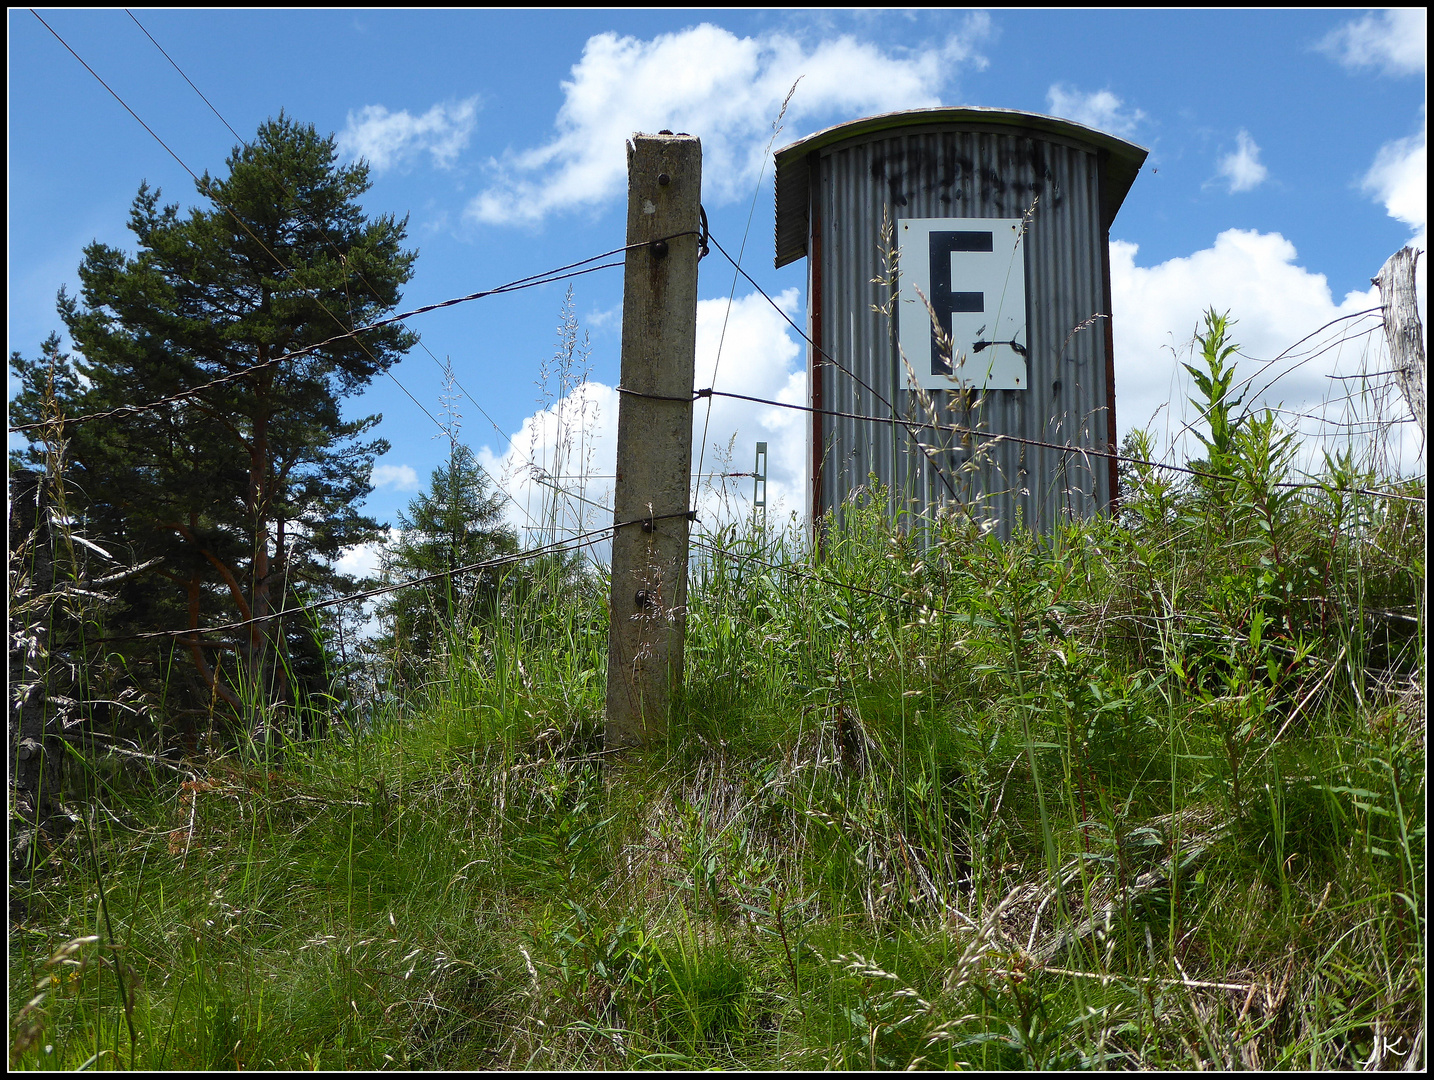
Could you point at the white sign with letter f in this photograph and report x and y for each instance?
(971, 273)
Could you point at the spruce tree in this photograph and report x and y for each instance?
(455, 523)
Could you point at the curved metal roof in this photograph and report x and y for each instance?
(1121, 160)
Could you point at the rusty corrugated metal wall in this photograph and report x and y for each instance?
(859, 189)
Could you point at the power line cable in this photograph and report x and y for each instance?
(422, 344)
(731, 294)
(202, 183)
(205, 186)
(186, 78)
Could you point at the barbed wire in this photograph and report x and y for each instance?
(532, 281)
(834, 362)
(992, 437)
(580, 540)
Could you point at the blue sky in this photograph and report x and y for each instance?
(1287, 163)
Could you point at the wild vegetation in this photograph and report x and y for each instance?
(1145, 793)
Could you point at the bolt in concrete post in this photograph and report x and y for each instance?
(654, 438)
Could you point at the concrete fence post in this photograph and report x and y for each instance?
(654, 438)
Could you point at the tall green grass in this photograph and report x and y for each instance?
(1145, 793)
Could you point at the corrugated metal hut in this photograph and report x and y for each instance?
(994, 226)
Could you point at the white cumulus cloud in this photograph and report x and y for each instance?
(1276, 302)
(1394, 41)
(572, 444)
(1399, 178)
(363, 560)
(1241, 168)
(1100, 109)
(387, 139)
(398, 477)
(707, 82)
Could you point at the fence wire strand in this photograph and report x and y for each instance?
(910, 423)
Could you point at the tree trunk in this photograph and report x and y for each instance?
(1402, 328)
(192, 588)
(196, 649)
(261, 651)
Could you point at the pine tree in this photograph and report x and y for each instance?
(236, 493)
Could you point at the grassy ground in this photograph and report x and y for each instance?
(1147, 794)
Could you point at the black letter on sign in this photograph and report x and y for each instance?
(943, 300)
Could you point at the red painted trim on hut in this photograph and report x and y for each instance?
(814, 307)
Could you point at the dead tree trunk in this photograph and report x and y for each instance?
(1402, 328)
